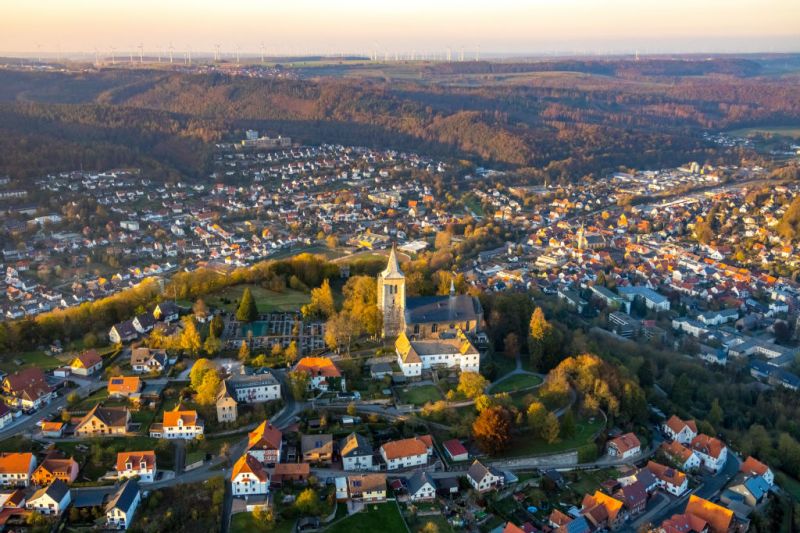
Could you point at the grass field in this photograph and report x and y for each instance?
(266, 300)
(516, 382)
(788, 131)
(28, 359)
(584, 431)
(244, 523)
(419, 395)
(384, 517)
(440, 521)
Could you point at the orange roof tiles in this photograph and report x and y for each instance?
(124, 384)
(189, 418)
(318, 366)
(667, 474)
(15, 463)
(708, 445)
(136, 458)
(404, 448)
(266, 436)
(247, 464)
(677, 425)
(718, 518)
(751, 465)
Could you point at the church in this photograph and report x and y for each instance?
(424, 317)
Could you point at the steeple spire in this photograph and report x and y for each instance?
(452, 288)
(392, 267)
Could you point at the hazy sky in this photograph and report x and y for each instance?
(306, 26)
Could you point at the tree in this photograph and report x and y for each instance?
(540, 337)
(212, 345)
(216, 326)
(200, 309)
(511, 345)
(551, 428)
(298, 383)
(199, 369)
(351, 409)
(331, 242)
(190, 341)
(360, 303)
(536, 413)
(307, 502)
(568, 425)
(429, 527)
(247, 310)
(492, 430)
(73, 398)
(321, 304)
(483, 402)
(783, 333)
(244, 352)
(339, 332)
(264, 518)
(472, 384)
(207, 392)
(715, 414)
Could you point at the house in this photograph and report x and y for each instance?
(633, 497)
(12, 499)
(753, 467)
(356, 453)
(16, 469)
(752, 490)
(421, 487)
(683, 457)
(178, 424)
(603, 511)
(718, 518)
(404, 453)
(712, 452)
(483, 478)
(317, 448)
(624, 446)
(166, 311)
(141, 465)
(672, 480)
(323, 373)
(122, 332)
(255, 388)
(249, 477)
(227, 407)
(6, 416)
(122, 506)
(293, 472)
(380, 370)
(51, 429)
(414, 356)
(27, 389)
(51, 500)
(144, 323)
(683, 523)
(716, 318)
(100, 421)
(55, 466)
(455, 450)
(148, 360)
(652, 299)
(86, 363)
(367, 487)
(124, 386)
(683, 431)
(265, 443)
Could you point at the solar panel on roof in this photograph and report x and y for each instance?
(117, 381)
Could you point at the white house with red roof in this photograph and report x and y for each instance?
(455, 450)
(683, 431)
(249, 477)
(624, 446)
(322, 373)
(712, 452)
(753, 467)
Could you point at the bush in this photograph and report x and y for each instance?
(587, 453)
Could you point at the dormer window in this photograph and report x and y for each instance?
(143, 465)
(128, 466)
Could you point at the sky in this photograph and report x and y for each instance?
(389, 27)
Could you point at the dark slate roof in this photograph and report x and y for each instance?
(418, 480)
(354, 445)
(426, 309)
(56, 490)
(124, 497)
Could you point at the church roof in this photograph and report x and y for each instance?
(392, 270)
(427, 309)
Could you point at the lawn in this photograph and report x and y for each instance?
(384, 517)
(17, 443)
(439, 520)
(516, 382)
(244, 523)
(585, 429)
(419, 395)
(34, 358)
(589, 480)
(267, 301)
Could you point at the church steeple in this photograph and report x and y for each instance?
(392, 296)
(452, 288)
(392, 270)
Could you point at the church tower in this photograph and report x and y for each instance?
(392, 297)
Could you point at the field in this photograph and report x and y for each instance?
(266, 300)
(244, 523)
(419, 395)
(516, 382)
(584, 431)
(788, 131)
(28, 359)
(384, 517)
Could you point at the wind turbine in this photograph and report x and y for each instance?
(449, 57)
(113, 56)
(262, 51)
(170, 53)
(216, 53)
(96, 61)
(141, 58)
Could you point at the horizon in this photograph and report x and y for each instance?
(505, 29)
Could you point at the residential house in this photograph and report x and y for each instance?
(367, 487)
(265, 443)
(227, 407)
(124, 386)
(255, 388)
(104, 421)
(603, 511)
(87, 363)
(122, 332)
(6, 416)
(712, 452)
(751, 490)
(404, 453)
(323, 373)
(415, 356)
(718, 518)
(178, 424)
(683, 457)
(141, 465)
(148, 360)
(421, 487)
(50, 500)
(633, 497)
(249, 477)
(624, 446)
(27, 389)
(122, 506)
(484, 478)
(455, 450)
(55, 466)
(144, 323)
(753, 467)
(356, 453)
(166, 311)
(292, 472)
(672, 480)
(16, 469)
(317, 448)
(683, 431)
(652, 299)
(52, 429)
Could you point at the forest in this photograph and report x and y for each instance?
(568, 119)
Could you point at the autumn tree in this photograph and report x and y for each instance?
(291, 353)
(199, 309)
(542, 341)
(492, 430)
(551, 428)
(321, 304)
(298, 383)
(244, 351)
(207, 391)
(340, 330)
(511, 345)
(212, 345)
(264, 518)
(536, 414)
(190, 341)
(216, 326)
(247, 310)
(199, 369)
(360, 304)
(472, 384)
(307, 502)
